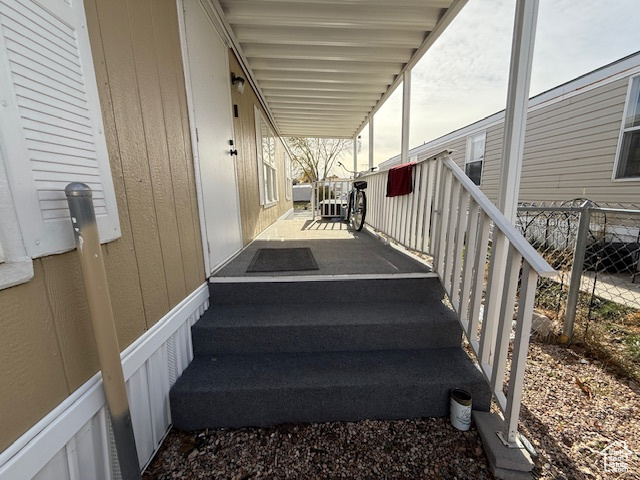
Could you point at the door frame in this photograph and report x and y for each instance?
(216, 24)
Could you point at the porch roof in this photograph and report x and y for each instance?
(323, 66)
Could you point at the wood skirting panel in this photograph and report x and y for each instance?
(74, 441)
(46, 340)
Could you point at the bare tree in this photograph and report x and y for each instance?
(314, 158)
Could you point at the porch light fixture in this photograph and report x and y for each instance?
(238, 83)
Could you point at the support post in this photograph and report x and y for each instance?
(576, 271)
(371, 143)
(515, 119)
(97, 290)
(355, 155)
(406, 116)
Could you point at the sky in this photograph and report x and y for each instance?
(463, 77)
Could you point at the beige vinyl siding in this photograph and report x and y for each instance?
(255, 217)
(46, 340)
(569, 150)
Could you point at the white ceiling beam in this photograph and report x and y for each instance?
(347, 37)
(275, 94)
(361, 3)
(315, 134)
(324, 66)
(329, 53)
(318, 114)
(324, 77)
(323, 86)
(339, 15)
(292, 108)
(352, 102)
(314, 119)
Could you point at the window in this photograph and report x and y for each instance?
(628, 159)
(267, 173)
(475, 157)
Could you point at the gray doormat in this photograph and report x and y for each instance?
(282, 260)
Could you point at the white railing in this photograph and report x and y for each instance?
(448, 217)
(329, 197)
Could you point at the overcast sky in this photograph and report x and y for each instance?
(463, 77)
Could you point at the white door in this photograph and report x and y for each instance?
(209, 74)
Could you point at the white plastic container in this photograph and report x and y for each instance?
(460, 409)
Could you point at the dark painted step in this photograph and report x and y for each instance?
(423, 290)
(269, 389)
(320, 327)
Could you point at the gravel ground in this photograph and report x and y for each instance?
(572, 408)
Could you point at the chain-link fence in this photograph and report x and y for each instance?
(596, 251)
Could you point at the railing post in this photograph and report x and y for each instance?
(96, 287)
(313, 201)
(576, 271)
(371, 143)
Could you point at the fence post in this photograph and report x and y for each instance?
(576, 270)
(94, 274)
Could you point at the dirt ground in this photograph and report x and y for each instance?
(573, 407)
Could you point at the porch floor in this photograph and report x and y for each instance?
(337, 248)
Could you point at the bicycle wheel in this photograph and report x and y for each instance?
(357, 219)
(349, 202)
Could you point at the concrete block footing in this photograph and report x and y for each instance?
(505, 463)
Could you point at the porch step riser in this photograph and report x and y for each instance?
(319, 405)
(324, 292)
(265, 390)
(323, 339)
(325, 328)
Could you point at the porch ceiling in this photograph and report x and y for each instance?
(324, 65)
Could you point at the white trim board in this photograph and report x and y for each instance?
(151, 365)
(321, 278)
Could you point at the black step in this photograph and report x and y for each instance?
(424, 290)
(325, 327)
(269, 389)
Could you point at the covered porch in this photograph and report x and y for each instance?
(324, 71)
(338, 250)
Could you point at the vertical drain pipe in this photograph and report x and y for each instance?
(85, 231)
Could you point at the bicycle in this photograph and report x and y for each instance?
(357, 206)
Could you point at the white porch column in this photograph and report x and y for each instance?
(370, 142)
(406, 104)
(515, 118)
(355, 154)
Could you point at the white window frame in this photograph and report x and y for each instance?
(623, 130)
(467, 158)
(267, 162)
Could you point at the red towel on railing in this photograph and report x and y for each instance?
(400, 180)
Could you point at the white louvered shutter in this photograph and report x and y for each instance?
(51, 129)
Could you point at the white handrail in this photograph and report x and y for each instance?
(530, 254)
(448, 217)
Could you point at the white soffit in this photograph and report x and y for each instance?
(324, 65)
